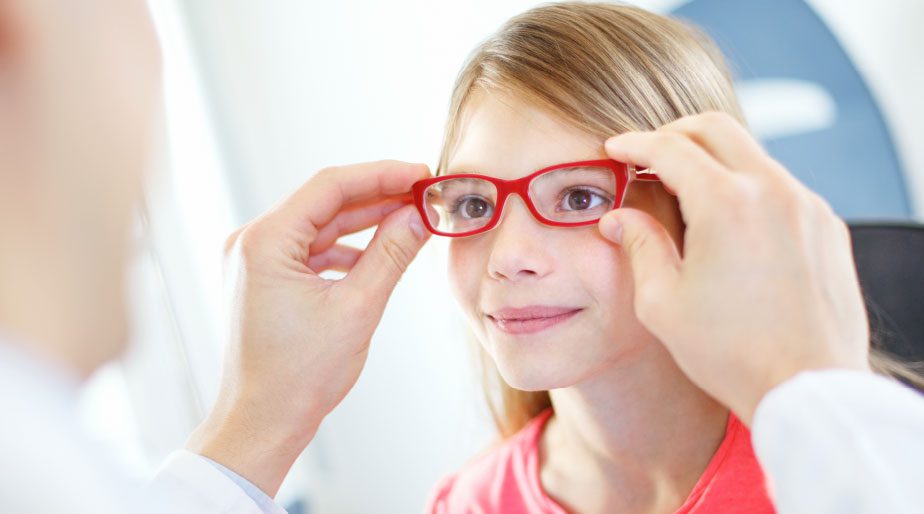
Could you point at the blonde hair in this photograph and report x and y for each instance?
(604, 69)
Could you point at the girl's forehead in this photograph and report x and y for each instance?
(502, 136)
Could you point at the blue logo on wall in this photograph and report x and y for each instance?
(808, 103)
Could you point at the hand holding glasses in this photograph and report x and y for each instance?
(564, 195)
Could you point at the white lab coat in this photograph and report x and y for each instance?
(830, 442)
(842, 442)
(48, 466)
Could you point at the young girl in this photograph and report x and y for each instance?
(596, 416)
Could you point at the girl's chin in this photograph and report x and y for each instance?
(532, 371)
(537, 379)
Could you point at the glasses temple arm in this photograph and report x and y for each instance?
(643, 174)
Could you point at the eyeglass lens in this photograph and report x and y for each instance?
(566, 195)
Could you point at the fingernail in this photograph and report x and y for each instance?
(417, 225)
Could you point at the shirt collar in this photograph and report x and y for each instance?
(27, 374)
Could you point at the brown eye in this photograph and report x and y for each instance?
(579, 200)
(473, 207)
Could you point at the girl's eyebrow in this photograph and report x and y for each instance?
(460, 167)
(453, 184)
(468, 170)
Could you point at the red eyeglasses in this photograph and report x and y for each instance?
(564, 195)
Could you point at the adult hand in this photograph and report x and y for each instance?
(299, 341)
(765, 285)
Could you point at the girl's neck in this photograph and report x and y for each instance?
(639, 430)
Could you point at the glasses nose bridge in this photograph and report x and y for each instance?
(519, 187)
(523, 195)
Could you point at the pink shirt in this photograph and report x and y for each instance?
(506, 480)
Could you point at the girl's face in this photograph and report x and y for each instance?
(523, 263)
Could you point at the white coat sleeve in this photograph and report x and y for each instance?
(838, 441)
(192, 483)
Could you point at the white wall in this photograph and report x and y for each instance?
(294, 86)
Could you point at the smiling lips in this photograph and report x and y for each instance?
(527, 320)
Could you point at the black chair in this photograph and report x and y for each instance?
(890, 263)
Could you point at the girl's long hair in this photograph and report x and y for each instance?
(604, 69)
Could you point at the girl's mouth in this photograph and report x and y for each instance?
(536, 321)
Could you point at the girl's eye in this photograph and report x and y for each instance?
(472, 207)
(580, 199)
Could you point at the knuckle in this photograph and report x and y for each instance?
(803, 210)
(701, 121)
(326, 171)
(390, 163)
(825, 216)
(733, 192)
(231, 241)
(249, 243)
(784, 204)
(808, 200)
(771, 193)
(685, 124)
(636, 243)
(701, 168)
(398, 256)
(718, 118)
(821, 206)
(699, 125)
(774, 165)
(671, 138)
(843, 231)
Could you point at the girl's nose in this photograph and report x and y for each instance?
(519, 244)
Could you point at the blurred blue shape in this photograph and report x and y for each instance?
(298, 507)
(808, 103)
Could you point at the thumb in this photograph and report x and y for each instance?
(396, 242)
(652, 254)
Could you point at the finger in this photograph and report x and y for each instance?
(319, 200)
(353, 220)
(337, 258)
(684, 167)
(723, 137)
(231, 240)
(652, 256)
(395, 244)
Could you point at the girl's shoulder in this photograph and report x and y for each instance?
(503, 479)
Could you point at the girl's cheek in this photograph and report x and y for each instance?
(463, 274)
(604, 267)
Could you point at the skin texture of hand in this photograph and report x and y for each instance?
(300, 341)
(765, 285)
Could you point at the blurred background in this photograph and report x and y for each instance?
(260, 95)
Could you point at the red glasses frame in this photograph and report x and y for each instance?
(624, 173)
